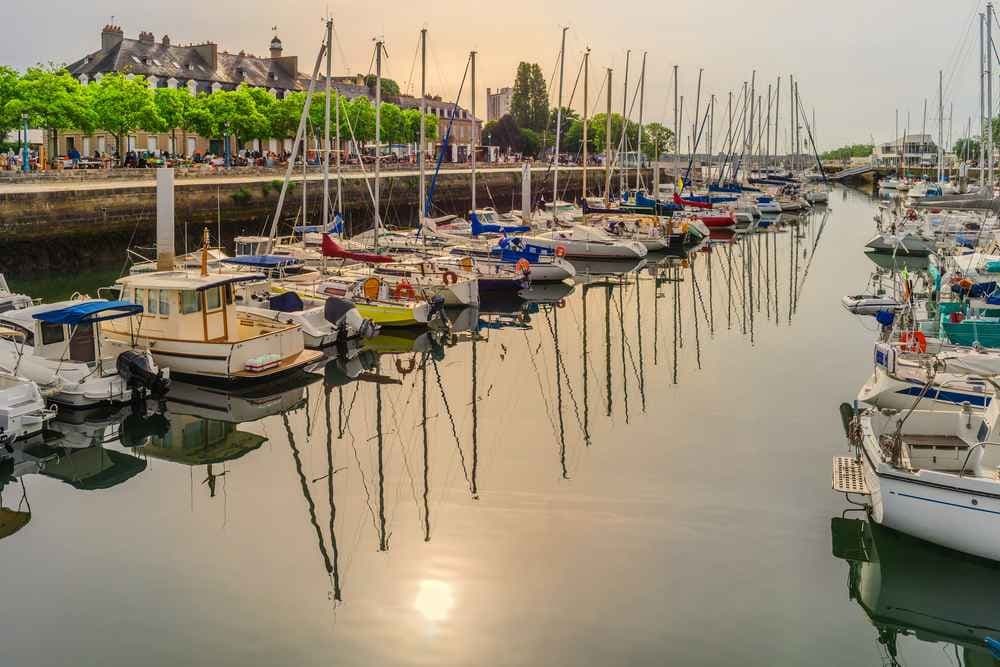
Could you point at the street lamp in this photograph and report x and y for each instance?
(226, 149)
(25, 153)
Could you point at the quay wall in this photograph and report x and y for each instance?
(74, 228)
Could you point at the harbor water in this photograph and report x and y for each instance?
(633, 469)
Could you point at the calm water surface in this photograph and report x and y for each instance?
(631, 470)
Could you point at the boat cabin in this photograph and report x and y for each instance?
(69, 330)
(185, 306)
(9, 301)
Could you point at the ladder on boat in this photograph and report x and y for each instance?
(848, 477)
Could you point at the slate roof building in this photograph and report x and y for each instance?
(204, 68)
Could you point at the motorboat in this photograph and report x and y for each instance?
(61, 347)
(543, 265)
(584, 242)
(870, 304)
(22, 409)
(930, 474)
(901, 243)
(192, 325)
(10, 300)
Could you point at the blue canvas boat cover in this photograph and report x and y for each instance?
(88, 312)
(263, 261)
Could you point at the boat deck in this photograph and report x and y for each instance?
(938, 441)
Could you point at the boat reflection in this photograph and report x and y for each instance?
(909, 588)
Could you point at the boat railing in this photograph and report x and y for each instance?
(979, 445)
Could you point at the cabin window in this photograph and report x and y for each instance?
(52, 333)
(140, 297)
(29, 336)
(189, 302)
(212, 299)
(153, 307)
(164, 302)
(229, 293)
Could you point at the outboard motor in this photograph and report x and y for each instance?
(343, 314)
(138, 371)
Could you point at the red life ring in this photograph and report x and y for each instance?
(449, 277)
(405, 290)
(560, 251)
(523, 266)
(913, 341)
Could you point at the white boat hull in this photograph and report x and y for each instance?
(592, 249)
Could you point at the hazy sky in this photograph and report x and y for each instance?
(856, 60)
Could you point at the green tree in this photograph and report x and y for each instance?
(530, 98)
(390, 89)
(847, 152)
(530, 142)
(656, 138)
(393, 125)
(264, 103)
(506, 135)
(967, 149)
(172, 106)
(411, 119)
(122, 105)
(53, 99)
(569, 117)
(234, 113)
(8, 92)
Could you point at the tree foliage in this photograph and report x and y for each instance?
(506, 134)
(530, 98)
(9, 120)
(390, 89)
(967, 149)
(847, 152)
(122, 105)
(531, 143)
(52, 98)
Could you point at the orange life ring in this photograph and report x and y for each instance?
(965, 284)
(913, 341)
(449, 277)
(523, 266)
(405, 290)
(560, 251)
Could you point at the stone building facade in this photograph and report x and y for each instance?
(204, 68)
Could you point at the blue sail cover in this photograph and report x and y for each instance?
(89, 312)
(263, 261)
(335, 227)
(511, 250)
(479, 228)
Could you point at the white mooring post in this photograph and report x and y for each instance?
(164, 219)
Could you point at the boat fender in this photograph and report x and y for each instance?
(560, 251)
(885, 317)
(956, 317)
(561, 303)
(449, 277)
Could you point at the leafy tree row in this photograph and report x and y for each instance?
(54, 100)
(847, 152)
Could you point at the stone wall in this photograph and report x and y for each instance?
(75, 229)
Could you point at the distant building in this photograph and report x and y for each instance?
(204, 68)
(915, 149)
(498, 103)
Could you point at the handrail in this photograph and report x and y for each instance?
(976, 446)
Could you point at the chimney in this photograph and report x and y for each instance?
(146, 37)
(209, 52)
(166, 40)
(111, 36)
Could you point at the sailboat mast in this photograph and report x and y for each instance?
(607, 145)
(940, 155)
(586, 119)
(777, 114)
(475, 137)
(555, 173)
(378, 140)
(326, 124)
(638, 148)
(711, 132)
(421, 145)
(677, 133)
(989, 96)
(622, 144)
(982, 100)
(767, 145)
